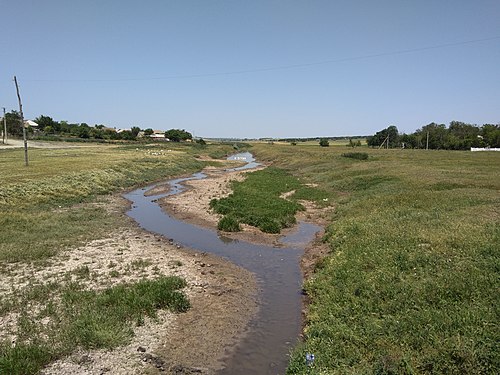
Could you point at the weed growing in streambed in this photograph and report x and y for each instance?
(85, 318)
(256, 201)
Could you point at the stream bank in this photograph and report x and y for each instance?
(274, 330)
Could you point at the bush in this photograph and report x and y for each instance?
(356, 155)
(324, 142)
(228, 224)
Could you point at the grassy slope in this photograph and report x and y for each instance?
(33, 216)
(55, 204)
(411, 284)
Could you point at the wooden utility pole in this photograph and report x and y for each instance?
(385, 140)
(4, 138)
(22, 123)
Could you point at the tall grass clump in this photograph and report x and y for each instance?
(411, 282)
(88, 319)
(356, 155)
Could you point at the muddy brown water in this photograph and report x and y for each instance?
(275, 330)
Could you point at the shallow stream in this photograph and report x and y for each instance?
(276, 328)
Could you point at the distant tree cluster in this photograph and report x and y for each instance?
(13, 120)
(47, 126)
(177, 135)
(458, 136)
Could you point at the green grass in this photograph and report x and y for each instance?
(61, 201)
(88, 319)
(256, 201)
(356, 155)
(39, 215)
(411, 282)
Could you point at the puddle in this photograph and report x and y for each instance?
(276, 328)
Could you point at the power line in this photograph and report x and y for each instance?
(279, 67)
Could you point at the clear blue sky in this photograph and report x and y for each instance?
(343, 67)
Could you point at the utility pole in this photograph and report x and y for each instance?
(4, 138)
(22, 123)
(427, 143)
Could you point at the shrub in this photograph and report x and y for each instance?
(324, 142)
(356, 155)
(229, 224)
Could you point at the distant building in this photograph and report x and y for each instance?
(159, 134)
(29, 123)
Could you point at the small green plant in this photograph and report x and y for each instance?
(140, 264)
(356, 155)
(175, 263)
(323, 142)
(114, 274)
(228, 224)
(82, 272)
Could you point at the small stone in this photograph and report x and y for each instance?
(141, 349)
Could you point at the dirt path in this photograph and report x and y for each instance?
(18, 143)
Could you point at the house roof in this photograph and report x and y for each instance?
(30, 123)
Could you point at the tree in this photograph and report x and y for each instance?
(381, 137)
(491, 135)
(201, 141)
(135, 131)
(83, 131)
(177, 135)
(438, 135)
(323, 142)
(127, 135)
(148, 132)
(13, 120)
(44, 121)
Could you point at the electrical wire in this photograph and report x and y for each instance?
(275, 68)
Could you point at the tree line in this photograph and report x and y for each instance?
(457, 136)
(48, 127)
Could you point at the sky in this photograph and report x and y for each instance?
(253, 69)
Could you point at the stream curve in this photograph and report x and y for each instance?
(276, 328)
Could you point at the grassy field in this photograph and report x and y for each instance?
(56, 204)
(411, 284)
